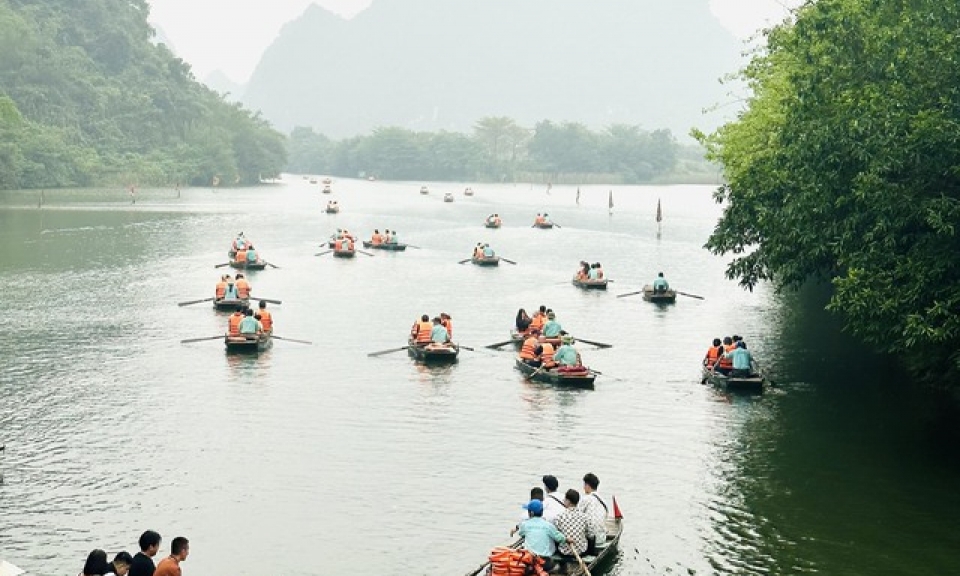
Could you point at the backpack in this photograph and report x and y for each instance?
(506, 561)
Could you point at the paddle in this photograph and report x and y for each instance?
(222, 265)
(268, 301)
(365, 252)
(499, 344)
(557, 225)
(597, 344)
(464, 261)
(412, 246)
(691, 295)
(189, 340)
(322, 253)
(586, 571)
(272, 265)
(468, 348)
(292, 340)
(630, 294)
(534, 373)
(508, 261)
(195, 301)
(390, 351)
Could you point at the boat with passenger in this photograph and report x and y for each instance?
(448, 197)
(567, 377)
(433, 352)
(668, 296)
(424, 190)
(231, 304)
(247, 343)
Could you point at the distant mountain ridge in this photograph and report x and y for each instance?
(443, 64)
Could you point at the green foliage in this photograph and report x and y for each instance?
(86, 98)
(846, 167)
(497, 150)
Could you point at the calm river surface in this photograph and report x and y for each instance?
(319, 460)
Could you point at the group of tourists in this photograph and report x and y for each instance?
(437, 331)
(569, 523)
(494, 220)
(589, 271)
(542, 219)
(123, 564)
(483, 251)
(246, 322)
(333, 205)
(229, 288)
(544, 320)
(730, 357)
(242, 250)
(388, 237)
(545, 344)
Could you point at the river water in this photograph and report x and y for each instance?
(321, 460)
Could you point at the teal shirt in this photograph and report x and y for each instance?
(231, 292)
(660, 283)
(566, 355)
(540, 537)
(488, 252)
(552, 329)
(740, 357)
(593, 274)
(439, 334)
(251, 255)
(250, 325)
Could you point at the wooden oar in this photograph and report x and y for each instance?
(412, 246)
(195, 301)
(690, 295)
(267, 300)
(464, 261)
(272, 265)
(629, 294)
(222, 265)
(507, 260)
(597, 344)
(499, 344)
(534, 373)
(365, 252)
(557, 225)
(189, 340)
(322, 253)
(583, 566)
(292, 340)
(468, 348)
(390, 351)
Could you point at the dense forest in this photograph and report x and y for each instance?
(86, 98)
(846, 168)
(499, 149)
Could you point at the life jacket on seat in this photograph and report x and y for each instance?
(506, 561)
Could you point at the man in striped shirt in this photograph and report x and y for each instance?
(574, 526)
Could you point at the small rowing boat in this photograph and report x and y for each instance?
(231, 304)
(582, 378)
(245, 265)
(344, 253)
(327, 189)
(606, 553)
(486, 261)
(665, 297)
(332, 208)
(468, 192)
(433, 352)
(448, 197)
(388, 247)
(518, 339)
(491, 224)
(588, 284)
(543, 225)
(327, 181)
(424, 190)
(247, 343)
(313, 180)
(752, 384)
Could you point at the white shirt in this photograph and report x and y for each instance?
(593, 508)
(552, 506)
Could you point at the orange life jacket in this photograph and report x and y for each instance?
(377, 240)
(506, 561)
(221, 290)
(338, 245)
(547, 355)
(241, 256)
(537, 322)
(421, 332)
(267, 320)
(724, 361)
(528, 350)
(235, 322)
(713, 354)
(449, 326)
(243, 288)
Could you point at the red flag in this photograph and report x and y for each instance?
(617, 514)
(659, 213)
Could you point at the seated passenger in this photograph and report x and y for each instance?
(422, 330)
(531, 349)
(439, 334)
(566, 355)
(552, 328)
(488, 251)
(742, 362)
(660, 285)
(251, 255)
(249, 324)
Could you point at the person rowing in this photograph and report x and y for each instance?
(660, 285)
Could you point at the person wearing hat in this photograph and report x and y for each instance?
(539, 536)
(660, 285)
(552, 328)
(566, 354)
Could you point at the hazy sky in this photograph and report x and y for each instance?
(230, 35)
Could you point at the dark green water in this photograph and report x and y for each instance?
(320, 460)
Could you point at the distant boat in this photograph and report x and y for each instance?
(327, 181)
(448, 197)
(468, 192)
(313, 180)
(423, 190)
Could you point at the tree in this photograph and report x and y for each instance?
(844, 168)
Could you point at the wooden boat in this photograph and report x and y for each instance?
(331, 209)
(668, 297)
(433, 352)
(543, 225)
(333, 243)
(424, 190)
(491, 224)
(751, 384)
(607, 553)
(327, 181)
(313, 180)
(231, 304)
(485, 261)
(258, 265)
(590, 284)
(448, 197)
(247, 343)
(344, 253)
(518, 339)
(468, 192)
(327, 189)
(584, 379)
(388, 247)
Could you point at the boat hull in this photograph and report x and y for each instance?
(494, 261)
(247, 344)
(344, 253)
(544, 225)
(247, 265)
(433, 353)
(231, 304)
(491, 225)
(387, 247)
(332, 210)
(752, 384)
(590, 284)
(668, 297)
(553, 376)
